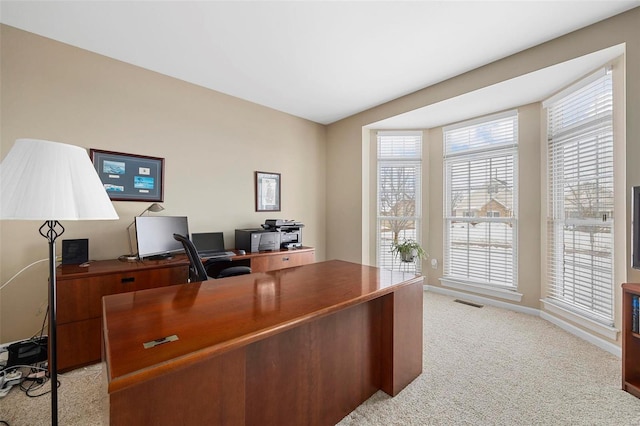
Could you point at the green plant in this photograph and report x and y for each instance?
(408, 250)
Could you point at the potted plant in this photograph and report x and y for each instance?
(408, 250)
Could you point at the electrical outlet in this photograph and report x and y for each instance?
(42, 308)
(434, 263)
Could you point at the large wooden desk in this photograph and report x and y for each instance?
(298, 346)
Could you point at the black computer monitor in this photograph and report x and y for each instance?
(154, 235)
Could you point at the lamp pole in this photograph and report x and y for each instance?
(50, 231)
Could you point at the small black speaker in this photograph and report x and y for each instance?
(75, 252)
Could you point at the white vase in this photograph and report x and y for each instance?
(408, 257)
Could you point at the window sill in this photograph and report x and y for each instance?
(485, 290)
(601, 329)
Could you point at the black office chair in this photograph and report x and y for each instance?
(198, 270)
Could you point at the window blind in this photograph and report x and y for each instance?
(580, 205)
(481, 201)
(399, 176)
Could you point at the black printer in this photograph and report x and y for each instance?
(253, 240)
(274, 234)
(290, 232)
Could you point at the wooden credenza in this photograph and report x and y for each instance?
(80, 291)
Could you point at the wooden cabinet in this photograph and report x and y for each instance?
(79, 300)
(630, 342)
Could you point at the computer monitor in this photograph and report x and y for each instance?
(154, 235)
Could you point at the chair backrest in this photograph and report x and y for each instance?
(196, 268)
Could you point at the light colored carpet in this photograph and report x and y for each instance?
(482, 366)
(490, 366)
(80, 401)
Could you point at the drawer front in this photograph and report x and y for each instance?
(78, 343)
(81, 298)
(73, 300)
(161, 277)
(133, 281)
(288, 260)
(112, 284)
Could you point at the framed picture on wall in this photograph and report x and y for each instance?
(130, 177)
(267, 192)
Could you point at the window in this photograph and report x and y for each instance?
(399, 205)
(580, 203)
(481, 202)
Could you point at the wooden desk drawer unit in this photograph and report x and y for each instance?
(274, 261)
(80, 291)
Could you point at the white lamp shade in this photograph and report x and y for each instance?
(44, 180)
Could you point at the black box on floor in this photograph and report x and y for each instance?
(28, 352)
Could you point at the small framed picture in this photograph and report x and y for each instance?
(267, 192)
(130, 177)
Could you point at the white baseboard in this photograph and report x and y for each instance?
(601, 343)
(484, 300)
(570, 328)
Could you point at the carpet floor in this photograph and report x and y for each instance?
(481, 366)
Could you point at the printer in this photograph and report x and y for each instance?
(274, 234)
(290, 232)
(257, 239)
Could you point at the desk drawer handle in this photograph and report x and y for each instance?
(128, 280)
(284, 259)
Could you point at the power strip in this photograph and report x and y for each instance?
(8, 380)
(37, 375)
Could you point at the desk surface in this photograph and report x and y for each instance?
(101, 267)
(216, 316)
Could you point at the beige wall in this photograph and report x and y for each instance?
(344, 141)
(212, 144)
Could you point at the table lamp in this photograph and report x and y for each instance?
(51, 181)
(155, 207)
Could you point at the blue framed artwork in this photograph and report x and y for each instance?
(129, 177)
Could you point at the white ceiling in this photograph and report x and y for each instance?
(523, 90)
(319, 60)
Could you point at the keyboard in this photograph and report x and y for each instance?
(215, 254)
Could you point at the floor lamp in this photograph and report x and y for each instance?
(50, 181)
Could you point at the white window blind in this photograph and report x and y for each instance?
(580, 204)
(399, 186)
(481, 201)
